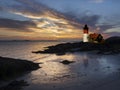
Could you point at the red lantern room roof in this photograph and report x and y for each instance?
(85, 27)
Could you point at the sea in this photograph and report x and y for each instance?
(88, 71)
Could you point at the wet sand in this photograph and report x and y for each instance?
(88, 72)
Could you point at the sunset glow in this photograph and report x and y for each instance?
(36, 21)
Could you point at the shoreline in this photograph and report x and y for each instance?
(10, 68)
(109, 47)
(81, 62)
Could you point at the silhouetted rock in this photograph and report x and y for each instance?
(115, 39)
(110, 46)
(66, 62)
(15, 85)
(13, 67)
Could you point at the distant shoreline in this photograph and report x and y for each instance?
(29, 41)
(39, 40)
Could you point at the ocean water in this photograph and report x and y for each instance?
(23, 50)
(87, 72)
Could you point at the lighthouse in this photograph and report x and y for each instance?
(85, 33)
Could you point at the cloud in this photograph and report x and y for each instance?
(90, 20)
(97, 1)
(46, 22)
(83, 18)
(94, 21)
(16, 25)
(1, 8)
(105, 27)
(41, 12)
(30, 7)
(34, 10)
(113, 30)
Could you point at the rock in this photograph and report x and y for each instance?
(118, 69)
(15, 85)
(110, 46)
(66, 62)
(14, 67)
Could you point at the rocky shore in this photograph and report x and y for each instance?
(110, 46)
(14, 67)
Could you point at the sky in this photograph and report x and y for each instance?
(57, 19)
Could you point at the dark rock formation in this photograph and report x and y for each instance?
(110, 46)
(15, 85)
(66, 62)
(13, 67)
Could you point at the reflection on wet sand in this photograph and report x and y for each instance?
(49, 72)
(85, 61)
(86, 66)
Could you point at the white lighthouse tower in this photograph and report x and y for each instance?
(85, 33)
